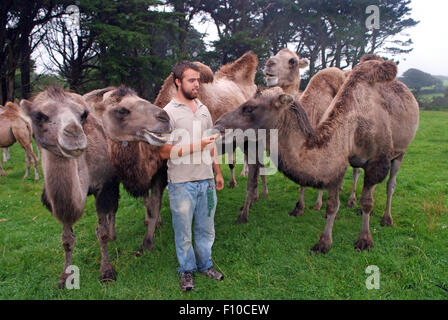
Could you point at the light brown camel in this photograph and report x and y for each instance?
(133, 150)
(15, 128)
(76, 163)
(232, 85)
(283, 70)
(369, 124)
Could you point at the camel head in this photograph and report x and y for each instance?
(283, 69)
(265, 111)
(127, 117)
(58, 119)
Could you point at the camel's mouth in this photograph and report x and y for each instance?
(156, 139)
(68, 153)
(271, 79)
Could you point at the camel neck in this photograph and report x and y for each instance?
(66, 181)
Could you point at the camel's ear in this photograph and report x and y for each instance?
(26, 106)
(303, 63)
(283, 101)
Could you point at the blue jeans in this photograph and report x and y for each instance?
(188, 202)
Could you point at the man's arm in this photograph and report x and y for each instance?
(169, 151)
(217, 169)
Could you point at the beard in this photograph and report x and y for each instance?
(189, 95)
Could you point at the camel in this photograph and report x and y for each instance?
(283, 70)
(15, 128)
(232, 85)
(76, 163)
(133, 150)
(284, 67)
(369, 124)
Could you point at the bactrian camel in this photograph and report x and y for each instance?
(369, 124)
(15, 128)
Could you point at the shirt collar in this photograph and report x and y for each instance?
(178, 104)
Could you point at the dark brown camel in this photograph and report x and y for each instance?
(133, 149)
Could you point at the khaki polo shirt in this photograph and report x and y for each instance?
(189, 127)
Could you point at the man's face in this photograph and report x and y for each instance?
(190, 84)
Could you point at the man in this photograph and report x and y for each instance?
(191, 187)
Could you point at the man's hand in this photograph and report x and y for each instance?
(206, 141)
(219, 181)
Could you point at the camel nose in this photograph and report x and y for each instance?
(73, 130)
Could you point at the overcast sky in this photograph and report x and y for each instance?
(430, 52)
(430, 41)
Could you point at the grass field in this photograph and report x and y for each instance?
(267, 258)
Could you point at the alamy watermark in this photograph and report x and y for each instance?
(373, 281)
(72, 281)
(373, 20)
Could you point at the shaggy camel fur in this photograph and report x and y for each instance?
(369, 124)
(133, 127)
(75, 164)
(232, 85)
(15, 128)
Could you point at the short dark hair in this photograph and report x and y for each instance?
(180, 67)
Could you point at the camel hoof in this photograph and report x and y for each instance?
(351, 203)
(317, 206)
(296, 212)
(323, 246)
(364, 242)
(63, 280)
(148, 244)
(387, 221)
(108, 275)
(241, 219)
(232, 184)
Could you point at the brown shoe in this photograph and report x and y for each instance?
(213, 274)
(186, 281)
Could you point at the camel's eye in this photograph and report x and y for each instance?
(248, 109)
(84, 116)
(122, 112)
(39, 117)
(292, 61)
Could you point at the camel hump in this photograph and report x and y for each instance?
(10, 106)
(375, 71)
(205, 72)
(369, 57)
(242, 70)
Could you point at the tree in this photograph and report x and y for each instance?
(417, 79)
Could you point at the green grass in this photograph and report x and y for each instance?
(267, 258)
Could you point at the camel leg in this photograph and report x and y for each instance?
(2, 172)
(251, 192)
(153, 205)
(318, 204)
(6, 155)
(232, 182)
(68, 242)
(106, 208)
(391, 183)
(265, 186)
(245, 170)
(28, 165)
(332, 208)
(351, 203)
(31, 159)
(365, 238)
(300, 205)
